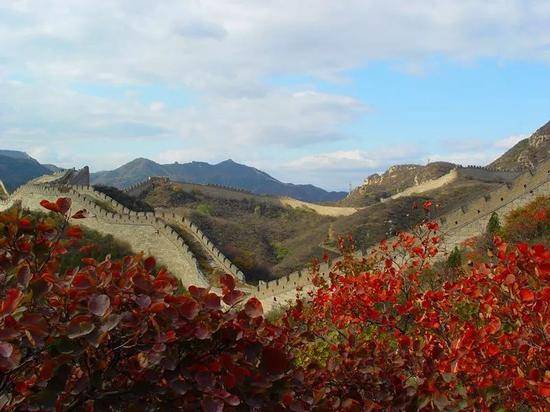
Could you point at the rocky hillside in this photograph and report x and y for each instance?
(394, 180)
(526, 153)
(263, 238)
(17, 168)
(227, 173)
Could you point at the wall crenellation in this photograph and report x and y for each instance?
(524, 188)
(205, 242)
(142, 227)
(139, 220)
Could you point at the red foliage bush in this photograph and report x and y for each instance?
(372, 338)
(531, 221)
(115, 335)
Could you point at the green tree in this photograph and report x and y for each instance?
(494, 227)
(455, 258)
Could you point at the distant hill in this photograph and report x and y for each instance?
(15, 154)
(17, 168)
(527, 153)
(227, 173)
(394, 180)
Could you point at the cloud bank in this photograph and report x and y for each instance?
(87, 76)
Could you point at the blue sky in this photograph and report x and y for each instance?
(317, 92)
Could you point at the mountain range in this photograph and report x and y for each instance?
(226, 173)
(16, 168)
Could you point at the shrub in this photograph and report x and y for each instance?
(374, 339)
(531, 222)
(115, 335)
(493, 226)
(204, 209)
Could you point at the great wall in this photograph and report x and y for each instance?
(456, 226)
(153, 232)
(483, 174)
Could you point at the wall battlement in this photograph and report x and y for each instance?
(87, 194)
(144, 231)
(456, 226)
(150, 232)
(138, 188)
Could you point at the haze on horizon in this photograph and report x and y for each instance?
(317, 92)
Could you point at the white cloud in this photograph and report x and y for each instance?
(509, 141)
(224, 53)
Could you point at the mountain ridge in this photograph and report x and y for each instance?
(17, 168)
(527, 153)
(225, 173)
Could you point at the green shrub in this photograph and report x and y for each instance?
(204, 209)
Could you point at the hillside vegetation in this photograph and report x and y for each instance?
(121, 334)
(266, 239)
(527, 153)
(261, 237)
(394, 180)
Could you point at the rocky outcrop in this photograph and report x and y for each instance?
(528, 153)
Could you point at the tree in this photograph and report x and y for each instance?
(493, 226)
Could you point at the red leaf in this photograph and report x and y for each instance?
(253, 308)
(81, 214)
(6, 349)
(274, 361)
(526, 295)
(189, 309)
(492, 349)
(74, 231)
(494, 326)
(63, 204)
(157, 307)
(13, 296)
(233, 297)
(212, 301)
(523, 247)
(149, 263)
(427, 205)
(197, 292)
(25, 223)
(227, 282)
(99, 304)
(49, 205)
(212, 405)
(79, 326)
(24, 276)
(544, 389)
(202, 331)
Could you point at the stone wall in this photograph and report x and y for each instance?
(456, 226)
(486, 174)
(101, 200)
(143, 231)
(212, 251)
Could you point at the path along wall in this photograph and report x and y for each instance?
(144, 232)
(456, 226)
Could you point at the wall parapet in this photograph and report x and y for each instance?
(525, 184)
(137, 219)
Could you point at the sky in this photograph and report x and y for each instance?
(323, 92)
